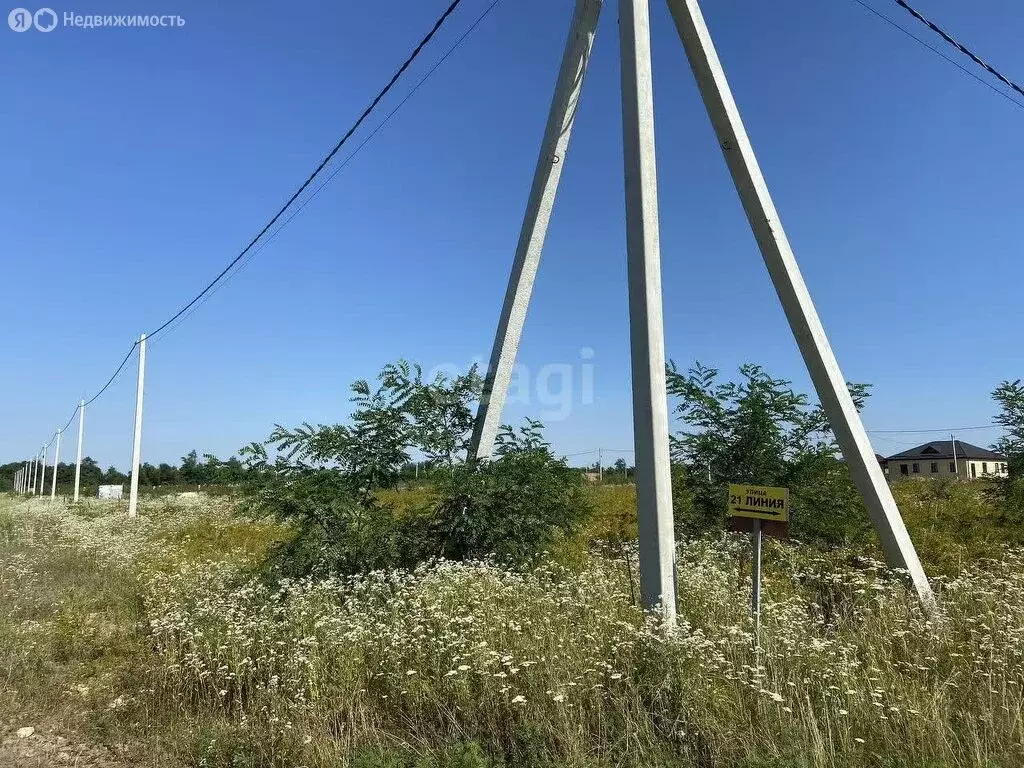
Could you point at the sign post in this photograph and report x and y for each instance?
(761, 510)
(755, 578)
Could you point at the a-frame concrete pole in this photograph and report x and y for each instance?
(535, 226)
(133, 498)
(647, 337)
(78, 459)
(821, 363)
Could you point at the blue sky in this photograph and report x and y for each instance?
(139, 161)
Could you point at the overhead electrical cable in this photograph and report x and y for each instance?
(340, 167)
(249, 251)
(939, 53)
(323, 164)
(945, 430)
(959, 46)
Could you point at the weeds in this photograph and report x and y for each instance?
(161, 636)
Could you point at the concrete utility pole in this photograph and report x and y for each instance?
(56, 463)
(647, 337)
(133, 499)
(796, 301)
(32, 480)
(42, 466)
(956, 469)
(561, 117)
(650, 406)
(78, 459)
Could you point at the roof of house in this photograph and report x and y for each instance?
(943, 449)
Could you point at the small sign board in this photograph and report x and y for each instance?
(760, 510)
(759, 502)
(111, 491)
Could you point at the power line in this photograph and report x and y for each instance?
(113, 376)
(959, 46)
(323, 163)
(340, 166)
(939, 53)
(945, 430)
(249, 252)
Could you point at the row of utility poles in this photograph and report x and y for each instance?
(30, 480)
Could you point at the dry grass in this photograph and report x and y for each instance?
(159, 637)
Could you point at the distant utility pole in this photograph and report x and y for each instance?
(600, 471)
(56, 463)
(78, 460)
(31, 487)
(42, 466)
(956, 468)
(133, 499)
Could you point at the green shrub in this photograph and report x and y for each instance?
(514, 507)
(336, 528)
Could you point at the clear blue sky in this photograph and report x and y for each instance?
(138, 162)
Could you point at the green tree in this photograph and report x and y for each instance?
(113, 477)
(442, 415)
(514, 507)
(757, 429)
(1008, 494)
(190, 471)
(400, 414)
(1010, 397)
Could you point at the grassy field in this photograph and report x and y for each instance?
(159, 641)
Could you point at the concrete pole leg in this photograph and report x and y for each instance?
(789, 284)
(647, 337)
(535, 226)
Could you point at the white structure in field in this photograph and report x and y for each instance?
(111, 491)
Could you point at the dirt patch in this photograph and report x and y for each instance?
(47, 749)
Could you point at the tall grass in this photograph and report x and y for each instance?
(196, 657)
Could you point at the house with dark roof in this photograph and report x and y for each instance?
(947, 458)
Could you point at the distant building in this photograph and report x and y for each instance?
(110, 491)
(883, 463)
(943, 458)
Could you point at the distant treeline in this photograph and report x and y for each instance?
(193, 470)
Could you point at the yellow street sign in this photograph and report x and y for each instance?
(760, 502)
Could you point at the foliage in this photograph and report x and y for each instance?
(336, 529)
(158, 638)
(327, 480)
(1010, 397)
(759, 430)
(442, 413)
(192, 471)
(1007, 493)
(402, 413)
(512, 508)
